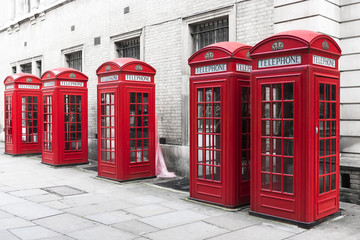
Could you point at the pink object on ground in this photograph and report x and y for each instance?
(160, 166)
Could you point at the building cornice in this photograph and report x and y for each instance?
(39, 13)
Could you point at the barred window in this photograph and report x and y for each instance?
(74, 60)
(128, 48)
(214, 31)
(26, 68)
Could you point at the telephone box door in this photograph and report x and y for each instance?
(209, 157)
(277, 133)
(327, 142)
(139, 126)
(244, 133)
(106, 132)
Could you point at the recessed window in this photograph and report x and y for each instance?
(97, 41)
(28, 6)
(38, 68)
(128, 48)
(345, 180)
(213, 31)
(26, 68)
(13, 68)
(74, 60)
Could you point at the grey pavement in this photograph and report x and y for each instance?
(38, 201)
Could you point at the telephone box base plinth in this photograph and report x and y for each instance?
(126, 180)
(64, 165)
(22, 154)
(229, 207)
(305, 225)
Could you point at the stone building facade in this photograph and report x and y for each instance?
(37, 35)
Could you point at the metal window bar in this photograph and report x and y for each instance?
(129, 48)
(74, 60)
(210, 32)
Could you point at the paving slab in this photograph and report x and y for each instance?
(7, 189)
(65, 223)
(193, 231)
(27, 192)
(43, 198)
(173, 219)
(211, 211)
(145, 200)
(86, 199)
(59, 238)
(177, 204)
(256, 232)
(64, 190)
(34, 232)
(5, 214)
(56, 204)
(342, 227)
(6, 199)
(112, 217)
(136, 227)
(234, 221)
(149, 210)
(29, 210)
(6, 235)
(103, 233)
(100, 207)
(14, 222)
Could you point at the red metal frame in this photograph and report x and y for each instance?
(23, 126)
(220, 124)
(289, 158)
(65, 111)
(126, 119)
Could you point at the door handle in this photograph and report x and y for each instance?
(317, 130)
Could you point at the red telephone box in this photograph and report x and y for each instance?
(65, 111)
(220, 124)
(22, 114)
(126, 119)
(295, 127)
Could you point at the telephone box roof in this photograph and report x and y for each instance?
(129, 64)
(301, 39)
(63, 72)
(226, 50)
(22, 78)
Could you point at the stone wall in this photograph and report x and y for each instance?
(350, 184)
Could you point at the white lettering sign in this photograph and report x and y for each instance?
(137, 78)
(279, 61)
(9, 87)
(211, 68)
(328, 62)
(243, 67)
(29, 86)
(109, 78)
(49, 84)
(71, 84)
